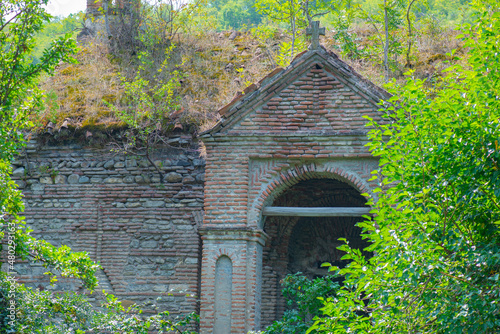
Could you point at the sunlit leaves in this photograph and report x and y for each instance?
(434, 235)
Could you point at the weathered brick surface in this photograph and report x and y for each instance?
(315, 102)
(144, 234)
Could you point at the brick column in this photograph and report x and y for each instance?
(244, 248)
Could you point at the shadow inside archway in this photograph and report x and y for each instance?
(302, 244)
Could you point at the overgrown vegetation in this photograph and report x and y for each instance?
(45, 312)
(213, 63)
(303, 301)
(436, 235)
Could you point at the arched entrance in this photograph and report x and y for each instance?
(301, 241)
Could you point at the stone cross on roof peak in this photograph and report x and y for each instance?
(314, 31)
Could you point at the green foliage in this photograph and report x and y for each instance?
(149, 101)
(447, 12)
(304, 301)
(55, 28)
(435, 235)
(235, 14)
(387, 21)
(286, 49)
(150, 98)
(295, 16)
(342, 23)
(18, 95)
(288, 12)
(19, 22)
(43, 312)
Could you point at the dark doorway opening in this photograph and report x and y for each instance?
(302, 244)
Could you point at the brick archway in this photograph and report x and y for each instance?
(270, 184)
(302, 244)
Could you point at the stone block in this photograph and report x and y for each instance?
(73, 178)
(198, 162)
(154, 204)
(60, 179)
(84, 179)
(160, 288)
(173, 177)
(149, 244)
(37, 187)
(168, 244)
(131, 163)
(188, 180)
(96, 179)
(129, 179)
(113, 180)
(46, 180)
(18, 172)
(200, 178)
(20, 184)
(144, 163)
(109, 164)
(179, 288)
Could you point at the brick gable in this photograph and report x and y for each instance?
(318, 94)
(315, 102)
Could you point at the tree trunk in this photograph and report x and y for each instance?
(292, 21)
(386, 45)
(106, 18)
(408, 61)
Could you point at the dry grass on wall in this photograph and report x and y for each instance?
(428, 56)
(77, 92)
(214, 66)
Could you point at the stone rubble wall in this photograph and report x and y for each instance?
(143, 233)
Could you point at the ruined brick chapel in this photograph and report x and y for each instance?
(281, 182)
